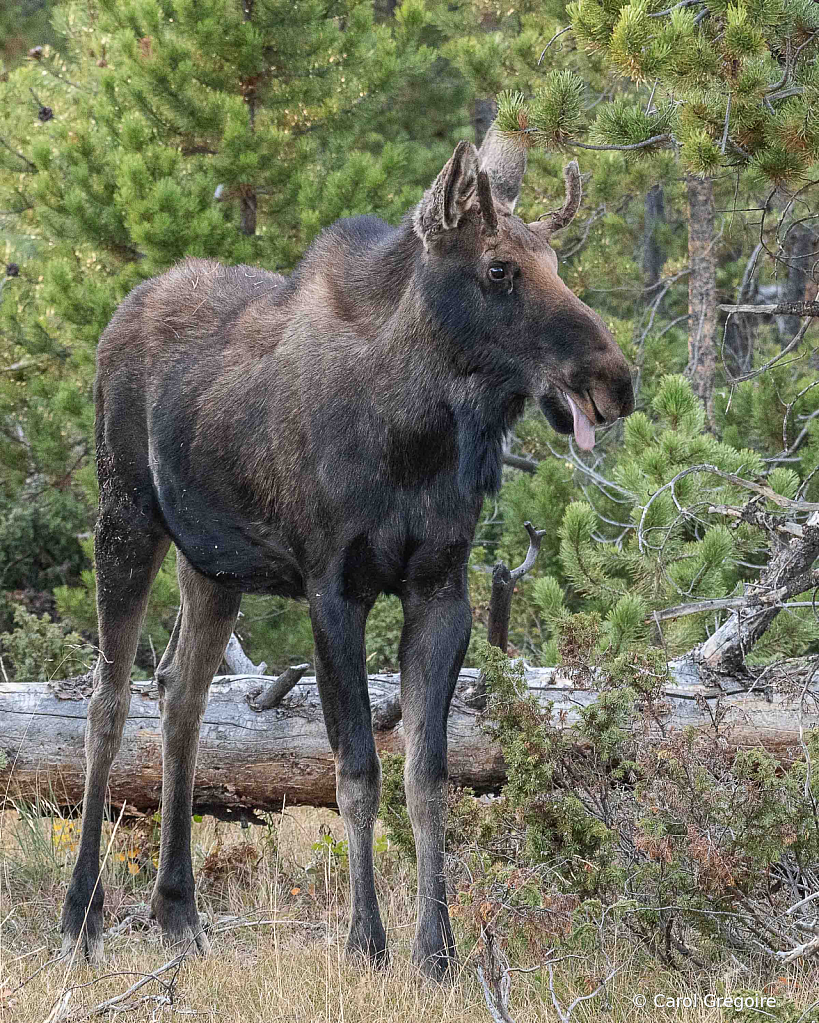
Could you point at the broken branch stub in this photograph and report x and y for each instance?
(500, 604)
(271, 697)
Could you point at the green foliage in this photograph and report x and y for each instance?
(393, 811)
(38, 649)
(24, 24)
(39, 541)
(637, 544)
(709, 70)
(335, 849)
(384, 634)
(605, 815)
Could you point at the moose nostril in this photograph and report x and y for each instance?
(598, 414)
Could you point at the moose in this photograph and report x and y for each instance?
(327, 436)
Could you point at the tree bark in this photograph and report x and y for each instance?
(800, 248)
(482, 116)
(247, 213)
(247, 200)
(702, 291)
(500, 606)
(260, 761)
(653, 252)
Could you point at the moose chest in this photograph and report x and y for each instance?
(378, 493)
(372, 532)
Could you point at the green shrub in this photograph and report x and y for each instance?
(38, 649)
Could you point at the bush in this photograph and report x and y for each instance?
(695, 850)
(39, 649)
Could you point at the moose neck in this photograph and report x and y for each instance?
(432, 362)
(422, 356)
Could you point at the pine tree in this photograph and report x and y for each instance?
(732, 87)
(234, 129)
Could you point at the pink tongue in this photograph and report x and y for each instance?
(583, 428)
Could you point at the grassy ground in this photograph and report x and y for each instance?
(294, 871)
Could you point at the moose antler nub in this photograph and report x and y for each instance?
(558, 219)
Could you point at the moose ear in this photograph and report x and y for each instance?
(447, 199)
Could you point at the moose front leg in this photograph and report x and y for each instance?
(433, 645)
(341, 672)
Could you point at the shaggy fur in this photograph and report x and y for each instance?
(328, 436)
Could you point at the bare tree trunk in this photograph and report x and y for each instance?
(740, 329)
(800, 246)
(483, 114)
(484, 108)
(702, 291)
(653, 253)
(247, 214)
(384, 10)
(247, 200)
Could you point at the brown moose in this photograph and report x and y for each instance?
(328, 436)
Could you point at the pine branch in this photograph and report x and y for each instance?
(653, 141)
(26, 161)
(519, 462)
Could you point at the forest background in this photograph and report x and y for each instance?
(135, 133)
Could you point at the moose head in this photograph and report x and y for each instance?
(512, 315)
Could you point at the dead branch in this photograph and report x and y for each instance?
(495, 980)
(503, 586)
(519, 462)
(117, 1001)
(788, 572)
(237, 660)
(276, 691)
(500, 604)
(250, 761)
(781, 309)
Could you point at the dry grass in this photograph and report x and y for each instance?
(295, 971)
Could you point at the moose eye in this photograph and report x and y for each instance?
(497, 272)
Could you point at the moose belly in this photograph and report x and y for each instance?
(224, 545)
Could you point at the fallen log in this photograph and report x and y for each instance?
(257, 760)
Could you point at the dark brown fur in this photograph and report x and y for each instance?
(328, 436)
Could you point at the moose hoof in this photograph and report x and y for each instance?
(182, 929)
(434, 953)
(441, 966)
(90, 947)
(368, 943)
(81, 921)
(187, 940)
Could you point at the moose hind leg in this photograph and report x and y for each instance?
(341, 671)
(205, 622)
(129, 548)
